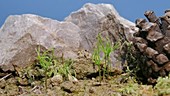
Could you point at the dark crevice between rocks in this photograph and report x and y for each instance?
(5, 73)
(66, 90)
(92, 75)
(96, 74)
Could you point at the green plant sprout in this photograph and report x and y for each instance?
(130, 60)
(97, 59)
(52, 65)
(45, 61)
(106, 47)
(65, 68)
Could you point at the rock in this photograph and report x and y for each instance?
(68, 86)
(22, 81)
(93, 19)
(11, 89)
(72, 78)
(83, 68)
(22, 34)
(92, 90)
(2, 83)
(57, 79)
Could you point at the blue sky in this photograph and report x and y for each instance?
(59, 9)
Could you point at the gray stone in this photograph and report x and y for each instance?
(103, 18)
(56, 80)
(92, 19)
(22, 34)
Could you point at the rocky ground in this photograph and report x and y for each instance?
(47, 75)
(86, 82)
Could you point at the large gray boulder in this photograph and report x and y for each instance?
(92, 19)
(103, 18)
(22, 34)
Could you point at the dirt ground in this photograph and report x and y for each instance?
(29, 82)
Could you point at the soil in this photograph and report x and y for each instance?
(87, 83)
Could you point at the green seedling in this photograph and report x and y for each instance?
(45, 60)
(131, 60)
(96, 59)
(65, 68)
(106, 47)
(52, 65)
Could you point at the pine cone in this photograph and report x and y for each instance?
(153, 42)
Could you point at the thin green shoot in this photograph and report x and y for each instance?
(65, 68)
(104, 46)
(45, 62)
